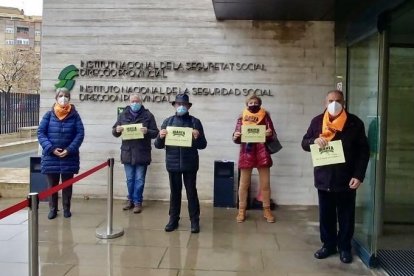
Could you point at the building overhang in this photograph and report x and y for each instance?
(303, 10)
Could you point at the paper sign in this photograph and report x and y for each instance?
(132, 131)
(179, 136)
(253, 133)
(333, 153)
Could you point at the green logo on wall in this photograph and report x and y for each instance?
(67, 76)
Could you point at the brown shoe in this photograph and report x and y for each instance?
(267, 214)
(241, 216)
(128, 205)
(137, 208)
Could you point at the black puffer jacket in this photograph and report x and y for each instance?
(182, 159)
(336, 177)
(137, 151)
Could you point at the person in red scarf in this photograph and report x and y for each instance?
(254, 155)
(337, 183)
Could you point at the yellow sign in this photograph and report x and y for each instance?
(132, 132)
(179, 136)
(253, 133)
(333, 153)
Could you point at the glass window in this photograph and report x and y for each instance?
(22, 41)
(22, 30)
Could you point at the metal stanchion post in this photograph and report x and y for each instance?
(108, 232)
(33, 234)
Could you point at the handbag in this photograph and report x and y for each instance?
(274, 145)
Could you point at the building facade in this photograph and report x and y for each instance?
(19, 31)
(291, 64)
(221, 51)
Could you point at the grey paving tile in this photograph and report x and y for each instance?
(14, 251)
(152, 238)
(118, 271)
(17, 218)
(72, 235)
(298, 242)
(235, 241)
(212, 259)
(102, 254)
(9, 231)
(229, 273)
(302, 261)
(14, 268)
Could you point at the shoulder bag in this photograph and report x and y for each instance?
(274, 145)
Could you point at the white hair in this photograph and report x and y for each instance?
(63, 90)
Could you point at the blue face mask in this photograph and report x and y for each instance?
(181, 110)
(135, 106)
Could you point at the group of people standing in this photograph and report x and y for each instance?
(61, 133)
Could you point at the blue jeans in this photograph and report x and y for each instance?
(135, 178)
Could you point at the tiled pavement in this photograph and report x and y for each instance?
(222, 248)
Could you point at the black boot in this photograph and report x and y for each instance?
(67, 213)
(52, 214)
(195, 226)
(171, 225)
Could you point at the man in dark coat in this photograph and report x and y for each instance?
(337, 183)
(136, 153)
(182, 163)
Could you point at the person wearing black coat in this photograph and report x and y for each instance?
(182, 163)
(60, 134)
(337, 183)
(135, 153)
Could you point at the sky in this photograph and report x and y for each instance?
(30, 7)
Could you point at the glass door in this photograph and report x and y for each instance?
(362, 100)
(398, 228)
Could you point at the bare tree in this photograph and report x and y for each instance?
(19, 70)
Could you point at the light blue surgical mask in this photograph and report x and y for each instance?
(135, 106)
(181, 110)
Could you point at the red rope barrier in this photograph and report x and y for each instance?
(13, 209)
(69, 182)
(47, 193)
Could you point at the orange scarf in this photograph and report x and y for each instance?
(249, 118)
(329, 129)
(62, 112)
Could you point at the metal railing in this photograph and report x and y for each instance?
(18, 110)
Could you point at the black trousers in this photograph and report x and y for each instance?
(337, 208)
(53, 179)
(176, 185)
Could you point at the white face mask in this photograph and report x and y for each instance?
(334, 108)
(63, 101)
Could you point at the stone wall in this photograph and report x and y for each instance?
(299, 65)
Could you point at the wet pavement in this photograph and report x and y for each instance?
(68, 246)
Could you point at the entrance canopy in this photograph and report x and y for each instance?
(303, 10)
